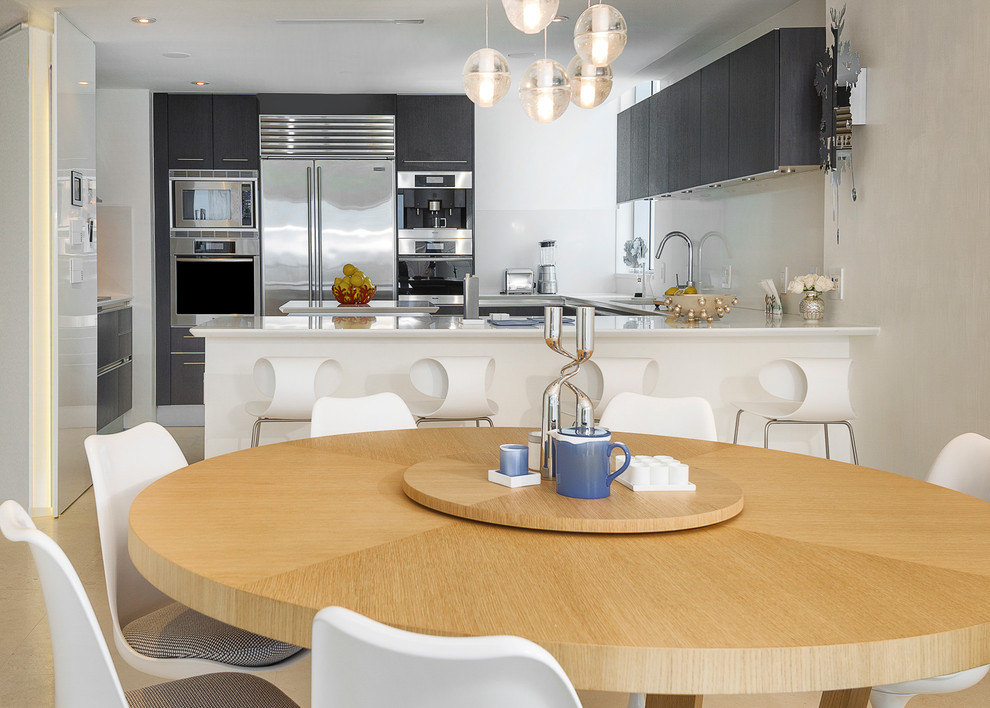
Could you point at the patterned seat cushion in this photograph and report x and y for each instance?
(176, 632)
(223, 690)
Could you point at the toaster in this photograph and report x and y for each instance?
(519, 281)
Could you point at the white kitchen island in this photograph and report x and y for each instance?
(718, 362)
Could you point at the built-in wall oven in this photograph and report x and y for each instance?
(214, 275)
(432, 264)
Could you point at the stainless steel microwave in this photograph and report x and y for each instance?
(214, 203)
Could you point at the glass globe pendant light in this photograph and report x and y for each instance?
(600, 34)
(544, 89)
(590, 85)
(530, 16)
(486, 74)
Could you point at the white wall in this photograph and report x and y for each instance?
(915, 244)
(554, 181)
(123, 149)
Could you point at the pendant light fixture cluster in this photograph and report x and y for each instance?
(546, 87)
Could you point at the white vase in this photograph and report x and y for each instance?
(812, 306)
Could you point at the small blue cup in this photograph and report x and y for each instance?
(582, 456)
(513, 460)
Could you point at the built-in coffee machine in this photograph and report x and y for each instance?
(435, 235)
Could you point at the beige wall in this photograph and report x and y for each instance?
(915, 245)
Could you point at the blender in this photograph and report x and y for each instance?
(547, 280)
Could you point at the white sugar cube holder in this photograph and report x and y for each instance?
(689, 487)
(519, 480)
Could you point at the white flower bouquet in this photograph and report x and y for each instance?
(811, 282)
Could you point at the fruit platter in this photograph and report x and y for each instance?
(354, 287)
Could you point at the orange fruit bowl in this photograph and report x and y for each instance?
(354, 296)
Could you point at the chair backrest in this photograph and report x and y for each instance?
(379, 411)
(820, 384)
(84, 673)
(360, 663)
(964, 465)
(295, 382)
(688, 417)
(461, 381)
(607, 377)
(122, 465)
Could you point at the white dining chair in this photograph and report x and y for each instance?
(963, 465)
(153, 633)
(84, 673)
(360, 663)
(293, 384)
(805, 391)
(687, 417)
(603, 378)
(364, 414)
(461, 383)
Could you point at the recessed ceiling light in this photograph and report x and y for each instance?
(348, 21)
(176, 55)
(200, 83)
(560, 18)
(83, 83)
(143, 20)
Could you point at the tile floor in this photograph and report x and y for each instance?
(25, 653)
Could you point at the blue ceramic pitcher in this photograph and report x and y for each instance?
(582, 457)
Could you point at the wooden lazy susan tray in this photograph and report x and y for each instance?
(462, 489)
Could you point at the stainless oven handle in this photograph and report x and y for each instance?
(213, 259)
(319, 234)
(309, 231)
(435, 257)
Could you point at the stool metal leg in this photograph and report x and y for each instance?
(852, 441)
(735, 432)
(256, 433)
(827, 455)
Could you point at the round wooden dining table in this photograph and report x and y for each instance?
(832, 578)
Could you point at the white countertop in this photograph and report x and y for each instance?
(375, 307)
(739, 323)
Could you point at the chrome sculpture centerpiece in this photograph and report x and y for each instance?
(584, 413)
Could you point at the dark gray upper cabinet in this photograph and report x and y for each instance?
(658, 144)
(212, 132)
(190, 131)
(623, 187)
(751, 112)
(684, 134)
(235, 133)
(639, 150)
(434, 133)
(753, 106)
(715, 121)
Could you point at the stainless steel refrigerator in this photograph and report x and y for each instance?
(317, 216)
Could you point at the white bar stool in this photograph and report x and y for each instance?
(462, 382)
(808, 391)
(603, 378)
(294, 383)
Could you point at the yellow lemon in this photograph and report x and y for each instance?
(691, 290)
(368, 283)
(345, 282)
(672, 290)
(349, 269)
(357, 277)
(337, 282)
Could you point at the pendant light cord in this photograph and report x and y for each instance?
(486, 23)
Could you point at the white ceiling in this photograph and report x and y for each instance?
(237, 46)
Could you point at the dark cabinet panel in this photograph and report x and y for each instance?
(107, 394)
(623, 166)
(235, 133)
(659, 143)
(187, 379)
(684, 136)
(184, 342)
(190, 131)
(106, 339)
(801, 107)
(715, 121)
(639, 151)
(753, 107)
(434, 133)
(113, 346)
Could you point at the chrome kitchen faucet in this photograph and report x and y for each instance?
(690, 261)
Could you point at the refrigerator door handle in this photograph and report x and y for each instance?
(319, 233)
(309, 230)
